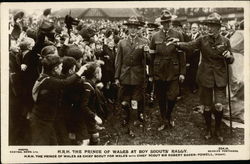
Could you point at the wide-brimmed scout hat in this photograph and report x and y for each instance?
(213, 18)
(166, 16)
(133, 21)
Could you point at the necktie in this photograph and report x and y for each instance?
(193, 36)
(132, 42)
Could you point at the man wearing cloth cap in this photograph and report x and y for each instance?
(212, 73)
(129, 71)
(168, 68)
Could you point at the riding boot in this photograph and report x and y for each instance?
(171, 105)
(126, 117)
(218, 119)
(208, 119)
(140, 111)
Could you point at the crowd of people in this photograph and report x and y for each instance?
(64, 74)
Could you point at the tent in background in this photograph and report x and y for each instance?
(237, 77)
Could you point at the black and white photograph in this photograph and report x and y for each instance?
(80, 78)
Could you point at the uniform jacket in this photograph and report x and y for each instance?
(89, 100)
(129, 62)
(212, 70)
(49, 95)
(167, 64)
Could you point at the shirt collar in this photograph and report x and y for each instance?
(165, 31)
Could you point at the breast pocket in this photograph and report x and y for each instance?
(175, 65)
(159, 46)
(156, 67)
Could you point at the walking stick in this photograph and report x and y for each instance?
(229, 100)
(144, 87)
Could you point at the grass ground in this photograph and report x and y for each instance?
(189, 128)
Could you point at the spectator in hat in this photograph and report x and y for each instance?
(75, 52)
(31, 33)
(108, 69)
(73, 95)
(45, 36)
(44, 17)
(193, 58)
(89, 103)
(212, 73)
(168, 70)
(48, 50)
(65, 120)
(130, 73)
(18, 25)
(46, 95)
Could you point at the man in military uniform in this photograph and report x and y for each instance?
(130, 72)
(167, 69)
(212, 72)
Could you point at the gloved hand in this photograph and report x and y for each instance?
(98, 120)
(172, 41)
(226, 54)
(117, 82)
(181, 78)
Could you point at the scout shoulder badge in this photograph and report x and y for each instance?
(36, 87)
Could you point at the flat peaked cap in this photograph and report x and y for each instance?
(214, 18)
(51, 61)
(176, 22)
(47, 25)
(152, 25)
(133, 20)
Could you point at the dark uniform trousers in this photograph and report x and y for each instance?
(130, 70)
(168, 64)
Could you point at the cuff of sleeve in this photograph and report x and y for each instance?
(152, 51)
